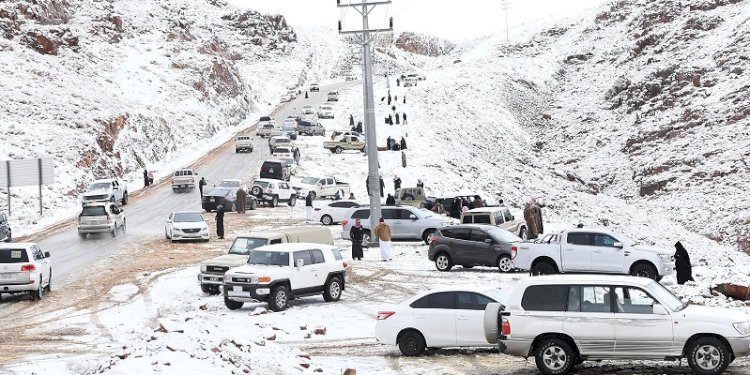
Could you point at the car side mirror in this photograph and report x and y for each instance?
(46, 254)
(617, 245)
(659, 309)
(412, 217)
(299, 263)
(488, 241)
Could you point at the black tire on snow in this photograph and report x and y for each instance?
(411, 343)
(332, 290)
(232, 305)
(278, 300)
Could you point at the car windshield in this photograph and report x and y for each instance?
(665, 296)
(502, 235)
(269, 258)
(100, 186)
(244, 245)
(283, 140)
(220, 192)
(309, 180)
(229, 183)
(187, 217)
(94, 211)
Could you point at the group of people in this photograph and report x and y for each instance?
(148, 177)
(394, 145)
(382, 232)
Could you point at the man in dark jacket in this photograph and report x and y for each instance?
(682, 264)
(404, 116)
(390, 119)
(367, 184)
(382, 186)
(145, 177)
(390, 201)
(396, 183)
(389, 143)
(220, 221)
(201, 184)
(403, 143)
(351, 120)
(356, 234)
(309, 206)
(398, 121)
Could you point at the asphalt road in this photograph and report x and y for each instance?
(147, 211)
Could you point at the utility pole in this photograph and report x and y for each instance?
(364, 8)
(505, 5)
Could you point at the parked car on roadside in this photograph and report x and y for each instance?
(409, 82)
(106, 190)
(406, 222)
(499, 216)
(243, 143)
(332, 212)
(275, 169)
(314, 87)
(310, 128)
(340, 134)
(591, 250)
(322, 187)
(412, 196)
(564, 320)
(25, 268)
(325, 111)
(440, 318)
(186, 225)
(273, 192)
(227, 198)
(266, 130)
(473, 245)
(308, 109)
(6, 234)
(278, 274)
(211, 276)
(348, 142)
(333, 96)
(183, 179)
(101, 218)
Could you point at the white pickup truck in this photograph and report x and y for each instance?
(106, 190)
(593, 251)
(183, 179)
(322, 187)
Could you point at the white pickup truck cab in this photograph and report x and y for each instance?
(322, 187)
(594, 251)
(106, 190)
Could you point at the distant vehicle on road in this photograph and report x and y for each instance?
(310, 128)
(280, 152)
(227, 198)
(332, 212)
(183, 179)
(322, 187)
(339, 134)
(100, 218)
(266, 130)
(186, 225)
(325, 111)
(499, 216)
(473, 245)
(314, 87)
(243, 143)
(6, 235)
(290, 125)
(273, 192)
(347, 142)
(409, 82)
(439, 318)
(275, 169)
(286, 98)
(416, 76)
(333, 96)
(278, 140)
(24, 268)
(106, 190)
(308, 110)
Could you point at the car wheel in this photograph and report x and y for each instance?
(253, 205)
(644, 270)
(49, 281)
(524, 234)
(211, 290)
(125, 199)
(543, 267)
(114, 231)
(708, 356)
(554, 357)
(504, 264)
(82, 235)
(366, 239)
(427, 236)
(332, 290)
(166, 234)
(443, 262)
(232, 305)
(257, 191)
(279, 299)
(411, 343)
(293, 201)
(38, 294)
(337, 150)
(274, 201)
(326, 220)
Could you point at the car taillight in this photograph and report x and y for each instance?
(345, 264)
(506, 327)
(316, 208)
(270, 191)
(433, 239)
(343, 223)
(28, 268)
(513, 251)
(383, 315)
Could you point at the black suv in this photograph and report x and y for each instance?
(5, 233)
(473, 245)
(275, 170)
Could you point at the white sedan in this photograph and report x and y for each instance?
(330, 213)
(437, 319)
(186, 225)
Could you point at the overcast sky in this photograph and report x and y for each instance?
(454, 20)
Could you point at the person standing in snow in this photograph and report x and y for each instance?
(398, 121)
(383, 233)
(455, 211)
(241, 200)
(682, 264)
(393, 109)
(306, 94)
(150, 177)
(145, 178)
(389, 99)
(396, 183)
(533, 216)
(390, 119)
(201, 184)
(477, 202)
(389, 143)
(404, 98)
(309, 206)
(220, 221)
(382, 186)
(398, 83)
(420, 183)
(403, 143)
(351, 196)
(357, 233)
(404, 116)
(351, 120)
(390, 201)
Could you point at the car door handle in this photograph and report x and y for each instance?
(462, 317)
(420, 316)
(597, 251)
(569, 249)
(574, 320)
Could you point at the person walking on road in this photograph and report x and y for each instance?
(383, 233)
(201, 184)
(389, 99)
(403, 143)
(390, 201)
(357, 233)
(404, 98)
(309, 206)
(241, 200)
(682, 264)
(220, 221)
(396, 183)
(398, 82)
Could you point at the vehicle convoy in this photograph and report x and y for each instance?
(24, 268)
(183, 179)
(332, 212)
(499, 216)
(597, 251)
(243, 143)
(186, 225)
(273, 192)
(305, 127)
(441, 318)
(348, 142)
(101, 218)
(106, 190)
(211, 275)
(225, 197)
(265, 130)
(6, 234)
(412, 196)
(564, 320)
(325, 111)
(275, 169)
(322, 187)
(278, 274)
(406, 222)
(472, 245)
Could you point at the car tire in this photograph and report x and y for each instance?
(524, 234)
(253, 205)
(278, 300)
(292, 201)
(554, 356)
(82, 235)
(232, 305)
(274, 201)
(337, 150)
(504, 264)
(643, 269)
(708, 356)
(543, 267)
(125, 199)
(443, 262)
(38, 294)
(411, 343)
(166, 235)
(211, 290)
(332, 290)
(326, 220)
(427, 236)
(256, 191)
(49, 281)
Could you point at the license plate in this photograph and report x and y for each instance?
(5, 276)
(237, 288)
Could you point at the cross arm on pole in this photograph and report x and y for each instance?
(363, 3)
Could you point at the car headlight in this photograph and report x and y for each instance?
(742, 327)
(177, 229)
(204, 268)
(667, 257)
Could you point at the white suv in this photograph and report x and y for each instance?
(271, 192)
(99, 218)
(563, 320)
(24, 268)
(279, 273)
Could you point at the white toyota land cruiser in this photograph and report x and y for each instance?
(280, 273)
